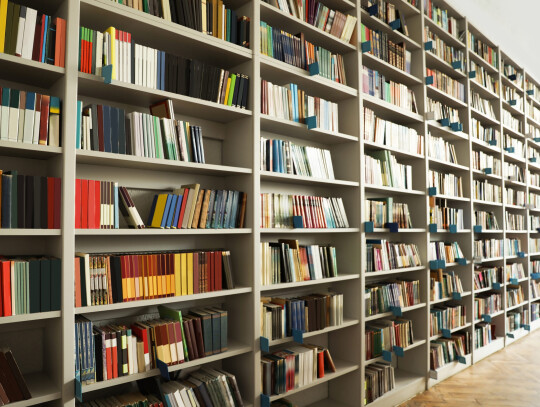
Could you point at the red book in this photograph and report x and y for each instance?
(57, 202)
(114, 353)
(78, 301)
(124, 278)
(78, 215)
(50, 202)
(5, 276)
(97, 205)
(37, 37)
(217, 264)
(212, 274)
(183, 208)
(44, 120)
(108, 355)
(84, 206)
(63, 43)
(320, 359)
(91, 203)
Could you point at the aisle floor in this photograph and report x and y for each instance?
(508, 378)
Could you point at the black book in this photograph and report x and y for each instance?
(34, 285)
(44, 202)
(14, 195)
(116, 277)
(45, 295)
(82, 277)
(151, 7)
(21, 201)
(209, 18)
(56, 284)
(158, 9)
(193, 78)
(6, 201)
(174, 13)
(127, 135)
(94, 41)
(99, 347)
(37, 202)
(95, 126)
(240, 91)
(107, 144)
(30, 202)
(234, 27)
(180, 12)
(245, 96)
(114, 129)
(167, 71)
(188, 13)
(133, 63)
(122, 145)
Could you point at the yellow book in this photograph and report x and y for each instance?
(220, 19)
(3, 17)
(159, 210)
(146, 292)
(132, 285)
(155, 283)
(204, 14)
(112, 32)
(183, 271)
(177, 275)
(190, 273)
(227, 90)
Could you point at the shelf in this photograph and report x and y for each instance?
(512, 109)
(128, 93)
(518, 184)
(392, 112)
(407, 385)
(235, 349)
(495, 314)
(277, 18)
(25, 150)
(447, 231)
(279, 231)
(401, 230)
(282, 73)
(374, 22)
(440, 300)
(435, 62)
(484, 118)
(415, 344)
(30, 232)
(392, 190)
(375, 274)
(158, 32)
(486, 350)
(160, 301)
(41, 388)
(444, 165)
(448, 38)
(535, 123)
(37, 316)
(512, 132)
(389, 71)
(516, 232)
(508, 82)
(446, 132)
(452, 198)
(485, 146)
(514, 207)
(445, 98)
(459, 328)
(160, 232)
(300, 130)
(368, 145)
(449, 369)
(342, 368)
(482, 174)
(346, 323)
(300, 284)
(388, 314)
(518, 334)
(482, 290)
(533, 188)
(483, 91)
(516, 306)
(299, 179)
(491, 231)
(487, 203)
(481, 61)
(156, 164)
(29, 72)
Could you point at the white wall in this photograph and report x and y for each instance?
(512, 24)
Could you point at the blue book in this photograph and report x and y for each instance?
(45, 30)
(275, 166)
(107, 145)
(174, 199)
(114, 129)
(152, 210)
(166, 211)
(177, 210)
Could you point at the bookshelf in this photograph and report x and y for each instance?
(493, 141)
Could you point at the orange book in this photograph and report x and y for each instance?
(78, 300)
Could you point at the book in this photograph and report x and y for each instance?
(12, 381)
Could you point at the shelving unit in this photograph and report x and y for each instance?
(235, 162)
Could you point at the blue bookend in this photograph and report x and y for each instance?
(509, 150)
(512, 102)
(297, 222)
(457, 64)
(538, 230)
(488, 171)
(392, 226)
(496, 286)
(452, 228)
(433, 264)
(445, 122)
(472, 74)
(163, 369)
(486, 317)
(536, 139)
(456, 296)
(432, 228)
(106, 73)
(373, 10)
(265, 344)
(462, 360)
(368, 227)
(432, 191)
(512, 77)
(446, 333)
(530, 92)
(535, 276)
(492, 142)
(428, 45)
(511, 335)
(298, 335)
(462, 261)
(265, 400)
(477, 228)
(456, 126)
(311, 122)
(366, 46)
(396, 24)
(521, 255)
(398, 350)
(527, 327)
(514, 281)
(429, 80)
(397, 311)
(387, 355)
(532, 159)
(314, 69)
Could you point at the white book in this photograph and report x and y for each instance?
(184, 396)
(54, 130)
(154, 68)
(29, 31)
(129, 343)
(20, 126)
(167, 10)
(13, 123)
(86, 259)
(29, 114)
(20, 32)
(127, 59)
(37, 120)
(117, 54)
(99, 52)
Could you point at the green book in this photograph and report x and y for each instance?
(231, 90)
(45, 285)
(56, 284)
(175, 315)
(34, 286)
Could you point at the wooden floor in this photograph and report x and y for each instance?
(508, 378)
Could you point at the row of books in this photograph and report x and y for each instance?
(482, 105)
(443, 351)
(28, 201)
(379, 379)
(113, 278)
(377, 85)
(534, 245)
(485, 51)
(533, 112)
(512, 247)
(442, 18)
(209, 17)
(442, 111)
(105, 352)
(156, 135)
(387, 133)
(534, 199)
(535, 311)
(513, 172)
(516, 319)
(451, 315)
(446, 84)
(487, 304)
(281, 317)
(514, 296)
(446, 183)
(444, 284)
(514, 197)
(509, 70)
(148, 67)
(290, 103)
(443, 216)
(386, 11)
(13, 386)
(281, 210)
(382, 255)
(535, 288)
(29, 285)
(482, 161)
(380, 46)
(514, 270)
(511, 122)
(318, 15)
(294, 367)
(31, 34)
(286, 261)
(287, 157)
(511, 142)
(385, 334)
(488, 248)
(447, 251)
(514, 221)
(440, 48)
(534, 222)
(383, 169)
(295, 50)
(192, 207)
(381, 211)
(484, 277)
(484, 334)
(487, 220)
(483, 77)
(381, 297)
(30, 117)
(486, 191)
(441, 150)
(484, 133)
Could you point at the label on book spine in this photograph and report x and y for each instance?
(511, 335)
(527, 327)
(445, 122)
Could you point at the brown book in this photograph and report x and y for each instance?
(198, 207)
(204, 210)
(328, 362)
(3, 396)
(8, 381)
(198, 336)
(187, 337)
(193, 339)
(242, 213)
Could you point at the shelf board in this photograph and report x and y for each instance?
(435, 62)
(512, 183)
(445, 165)
(444, 97)
(282, 73)
(393, 112)
(508, 82)
(487, 203)
(515, 232)
(388, 314)
(483, 91)
(493, 315)
(299, 284)
(128, 93)
(29, 72)
(279, 231)
(156, 164)
(490, 259)
(485, 146)
(515, 207)
(375, 274)
(393, 35)
(235, 349)
(513, 158)
(448, 38)
(389, 70)
(533, 188)
(531, 120)
(160, 232)
(459, 328)
(415, 344)
(25, 150)
(512, 109)
(157, 31)
(517, 306)
(512, 132)
(342, 368)
(401, 230)
(346, 323)
(440, 300)
(37, 316)
(280, 19)
(481, 61)
(30, 232)
(446, 132)
(488, 349)
(484, 118)
(299, 179)
(483, 175)
(392, 190)
(458, 231)
(491, 231)
(41, 388)
(160, 301)
(452, 198)
(410, 383)
(482, 290)
(300, 130)
(369, 145)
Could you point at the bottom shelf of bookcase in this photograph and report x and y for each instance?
(448, 370)
(41, 388)
(518, 334)
(407, 386)
(535, 325)
(489, 349)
